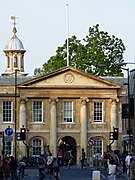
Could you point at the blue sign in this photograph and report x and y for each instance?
(9, 131)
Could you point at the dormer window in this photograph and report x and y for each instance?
(15, 61)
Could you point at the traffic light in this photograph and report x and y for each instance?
(23, 134)
(115, 134)
(111, 136)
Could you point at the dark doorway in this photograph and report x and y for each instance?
(69, 143)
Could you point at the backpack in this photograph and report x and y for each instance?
(41, 161)
(55, 164)
(49, 160)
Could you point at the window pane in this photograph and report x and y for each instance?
(37, 146)
(98, 146)
(98, 111)
(7, 111)
(37, 111)
(68, 111)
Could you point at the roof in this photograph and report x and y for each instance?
(10, 80)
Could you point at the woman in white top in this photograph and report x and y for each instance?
(111, 170)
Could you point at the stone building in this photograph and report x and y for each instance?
(67, 109)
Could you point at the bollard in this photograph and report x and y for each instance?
(96, 175)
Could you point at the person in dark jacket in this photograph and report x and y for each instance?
(83, 157)
(13, 168)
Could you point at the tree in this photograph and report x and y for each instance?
(95, 49)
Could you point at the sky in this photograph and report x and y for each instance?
(42, 25)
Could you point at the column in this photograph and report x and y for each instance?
(83, 117)
(53, 130)
(22, 123)
(114, 120)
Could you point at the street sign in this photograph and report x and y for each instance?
(8, 138)
(9, 131)
(111, 136)
(18, 136)
(91, 142)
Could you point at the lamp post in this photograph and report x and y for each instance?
(129, 121)
(15, 111)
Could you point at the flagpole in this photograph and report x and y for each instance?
(67, 15)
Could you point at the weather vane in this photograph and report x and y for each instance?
(14, 19)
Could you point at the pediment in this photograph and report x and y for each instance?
(69, 77)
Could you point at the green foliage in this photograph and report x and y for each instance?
(95, 49)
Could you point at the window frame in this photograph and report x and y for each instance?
(68, 113)
(11, 114)
(98, 145)
(37, 143)
(33, 115)
(98, 112)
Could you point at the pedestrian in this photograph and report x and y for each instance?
(56, 168)
(13, 168)
(6, 167)
(132, 168)
(124, 155)
(41, 167)
(21, 167)
(111, 170)
(66, 157)
(127, 162)
(60, 157)
(83, 157)
(1, 168)
(49, 164)
(98, 158)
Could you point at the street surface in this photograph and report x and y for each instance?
(75, 173)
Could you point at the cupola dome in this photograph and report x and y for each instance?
(14, 43)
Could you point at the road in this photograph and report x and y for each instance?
(75, 173)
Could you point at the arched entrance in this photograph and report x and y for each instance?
(68, 143)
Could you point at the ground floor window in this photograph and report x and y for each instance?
(37, 145)
(98, 146)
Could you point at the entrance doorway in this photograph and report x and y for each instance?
(68, 143)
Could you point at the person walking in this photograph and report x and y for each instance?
(83, 157)
(127, 162)
(1, 168)
(6, 168)
(132, 168)
(13, 168)
(66, 158)
(60, 157)
(111, 170)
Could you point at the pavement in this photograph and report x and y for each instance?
(74, 173)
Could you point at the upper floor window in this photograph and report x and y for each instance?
(68, 111)
(37, 113)
(7, 111)
(98, 111)
(15, 61)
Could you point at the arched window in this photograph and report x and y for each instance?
(98, 145)
(22, 62)
(8, 62)
(15, 61)
(37, 147)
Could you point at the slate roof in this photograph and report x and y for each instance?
(10, 80)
